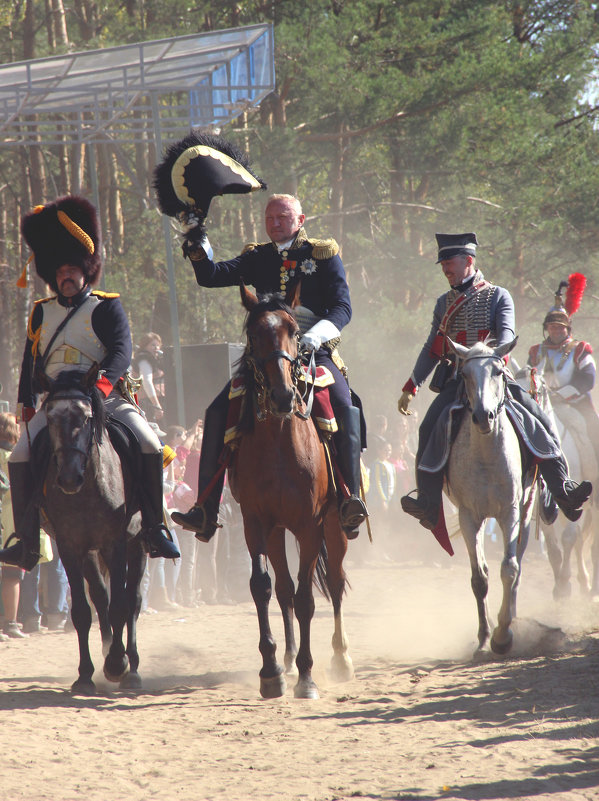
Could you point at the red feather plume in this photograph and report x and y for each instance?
(576, 285)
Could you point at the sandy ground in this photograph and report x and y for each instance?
(421, 719)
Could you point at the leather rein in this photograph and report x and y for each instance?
(297, 373)
(74, 395)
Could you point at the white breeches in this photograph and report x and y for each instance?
(116, 406)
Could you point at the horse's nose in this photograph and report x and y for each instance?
(281, 399)
(70, 478)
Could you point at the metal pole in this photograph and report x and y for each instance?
(171, 280)
(93, 177)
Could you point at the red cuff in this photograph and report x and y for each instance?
(409, 386)
(104, 386)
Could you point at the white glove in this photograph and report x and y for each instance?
(310, 341)
(188, 220)
(320, 332)
(404, 402)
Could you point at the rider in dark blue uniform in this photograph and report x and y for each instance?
(72, 330)
(324, 310)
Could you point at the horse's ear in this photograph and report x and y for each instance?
(503, 350)
(89, 379)
(292, 296)
(455, 347)
(248, 298)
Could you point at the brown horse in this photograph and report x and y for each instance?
(281, 480)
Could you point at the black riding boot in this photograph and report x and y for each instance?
(568, 495)
(203, 517)
(427, 505)
(348, 444)
(548, 508)
(25, 552)
(154, 533)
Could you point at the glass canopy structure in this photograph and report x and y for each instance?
(203, 79)
(150, 92)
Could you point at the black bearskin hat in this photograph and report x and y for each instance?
(66, 231)
(198, 168)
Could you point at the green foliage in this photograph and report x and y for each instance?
(395, 120)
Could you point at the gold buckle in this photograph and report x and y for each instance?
(72, 356)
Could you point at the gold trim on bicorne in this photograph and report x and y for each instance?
(76, 231)
(178, 176)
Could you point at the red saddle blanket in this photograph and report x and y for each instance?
(322, 411)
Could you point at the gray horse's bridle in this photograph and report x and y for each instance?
(74, 395)
(501, 403)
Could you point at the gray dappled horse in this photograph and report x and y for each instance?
(484, 480)
(85, 506)
(572, 431)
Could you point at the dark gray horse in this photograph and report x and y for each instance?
(86, 505)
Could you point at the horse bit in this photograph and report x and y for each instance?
(297, 374)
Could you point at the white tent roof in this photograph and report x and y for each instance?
(199, 79)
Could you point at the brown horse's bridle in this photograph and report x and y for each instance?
(258, 364)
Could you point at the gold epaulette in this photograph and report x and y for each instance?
(32, 335)
(100, 294)
(324, 248)
(252, 246)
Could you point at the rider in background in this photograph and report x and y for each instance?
(289, 256)
(471, 311)
(567, 364)
(71, 330)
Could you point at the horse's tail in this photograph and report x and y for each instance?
(320, 572)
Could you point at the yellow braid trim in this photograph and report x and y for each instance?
(324, 248)
(76, 231)
(100, 294)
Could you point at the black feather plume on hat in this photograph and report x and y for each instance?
(198, 168)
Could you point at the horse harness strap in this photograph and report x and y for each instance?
(308, 396)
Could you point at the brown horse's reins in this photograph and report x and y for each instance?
(297, 372)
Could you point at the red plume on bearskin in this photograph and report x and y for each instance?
(576, 285)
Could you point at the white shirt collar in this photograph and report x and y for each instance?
(285, 245)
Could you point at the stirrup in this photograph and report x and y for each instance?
(158, 543)
(196, 520)
(421, 509)
(352, 513)
(18, 555)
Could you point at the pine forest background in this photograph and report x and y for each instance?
(391, 120)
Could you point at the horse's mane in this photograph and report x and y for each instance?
(268, 302)
(72, 380)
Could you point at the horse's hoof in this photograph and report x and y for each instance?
(305, 688)
(272, 686)
(562, 591)
(132, 681)
(83, 687)
(342, 668)
(502, 647)
(116, 668)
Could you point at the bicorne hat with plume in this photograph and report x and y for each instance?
(198, 168)
(563, 310)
